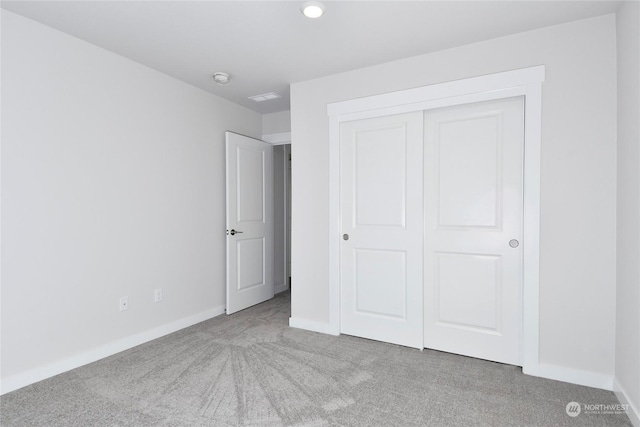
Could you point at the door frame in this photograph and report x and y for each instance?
(525, 82)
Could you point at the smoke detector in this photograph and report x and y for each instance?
(222, 78)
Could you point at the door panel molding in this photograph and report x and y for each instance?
(525, 82)
(457, 320)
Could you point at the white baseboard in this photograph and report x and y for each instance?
(634, 412)
(568, 375)
(280, 288)
(17, 381)
(310, 325)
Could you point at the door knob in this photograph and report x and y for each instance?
(234, 232)
(514, 243)
(345, 236)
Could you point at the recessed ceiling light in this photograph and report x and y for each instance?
(312, 9)
(222, 78)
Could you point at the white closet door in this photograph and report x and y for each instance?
(473, 229)
(382, 225)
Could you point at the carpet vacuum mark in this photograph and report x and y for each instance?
(251, 369)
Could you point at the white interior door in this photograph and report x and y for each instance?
(382, 226)
(473, 229)
(249, 221)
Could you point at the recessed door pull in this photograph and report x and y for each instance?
(514, 243)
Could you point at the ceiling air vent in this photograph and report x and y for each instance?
(265, 97)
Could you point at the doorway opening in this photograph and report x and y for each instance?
(258, 217)
(282, 217)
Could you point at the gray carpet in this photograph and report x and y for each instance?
(251, 369)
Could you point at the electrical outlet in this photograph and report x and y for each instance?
(124, 303)
(157, 295)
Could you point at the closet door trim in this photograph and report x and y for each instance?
(526, 82)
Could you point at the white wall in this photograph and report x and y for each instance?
(577, 260)
(627, 365)
(276, 123)
(112, 185)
